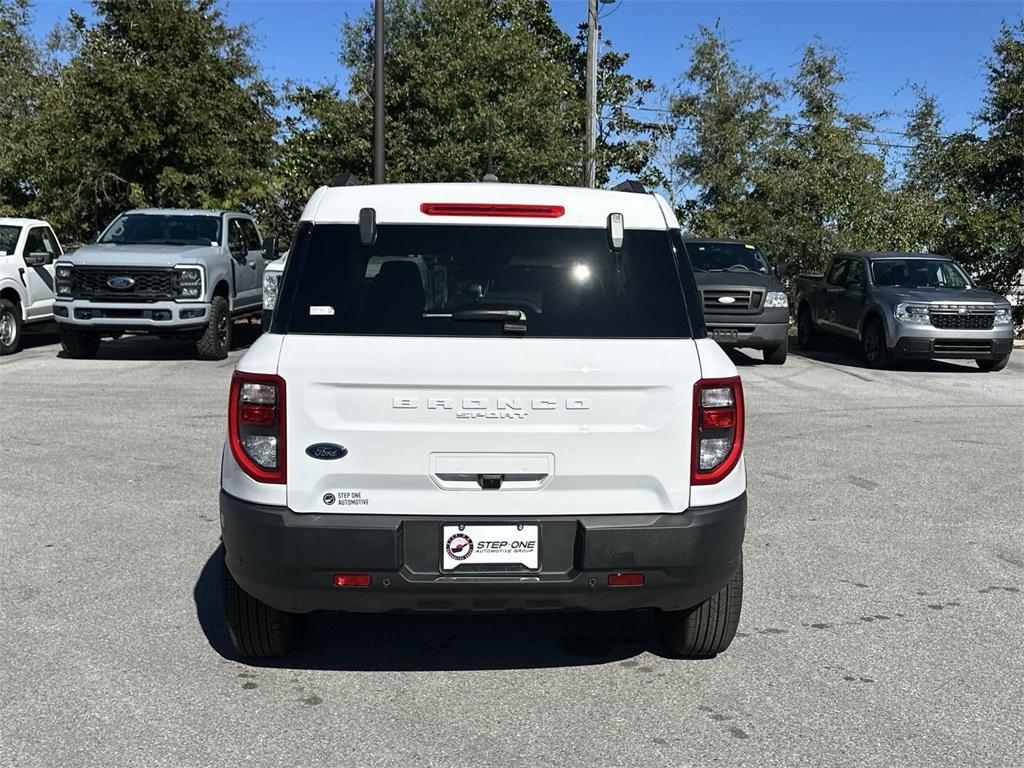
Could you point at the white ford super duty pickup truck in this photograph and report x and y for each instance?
(28, 249)
(168, 272)
(484, 397)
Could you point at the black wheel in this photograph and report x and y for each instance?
(707, 629)
(987, 364)
(256, 629)
(777, 355)
(872, 345)
(78, 344)
(10, 327)
(215, 343)
(806, 334)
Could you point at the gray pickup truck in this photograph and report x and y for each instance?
(167, 272)
(904, 305)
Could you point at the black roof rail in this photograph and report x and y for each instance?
(346, 179)
(630, 185)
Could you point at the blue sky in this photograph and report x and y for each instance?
(939, 43)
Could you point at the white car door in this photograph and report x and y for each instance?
(40, 250)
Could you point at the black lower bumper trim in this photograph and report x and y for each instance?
(288, 560)
(911, 347)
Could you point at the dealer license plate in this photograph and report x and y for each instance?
(490, 545)
(724, 335)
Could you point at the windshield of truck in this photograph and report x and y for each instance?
(434, 280)
(726, 257)
(8, 239)
(163, 229)
(919, 273)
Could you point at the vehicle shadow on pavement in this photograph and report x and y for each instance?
(144, 347)
(419, 642)
(846, 354)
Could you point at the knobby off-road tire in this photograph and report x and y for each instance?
(777, 355)
(707, 629)
(215, 343)
(78, 344)
(873, 347)
(10, 327)
(993, 365)
(807, 335)
(256, 629)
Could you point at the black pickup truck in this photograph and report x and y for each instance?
(744, 301)
(904, 305)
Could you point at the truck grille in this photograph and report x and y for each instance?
(744, 302)
(151, 284)
(975, 319)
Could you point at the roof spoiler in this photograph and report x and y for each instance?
(630, 185)
(346, 179)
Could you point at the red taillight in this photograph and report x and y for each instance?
(514, 210)
(352, 579)
(256, 425)
(625, 580)
(717, 429)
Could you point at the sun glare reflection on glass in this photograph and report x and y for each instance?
(581, 273)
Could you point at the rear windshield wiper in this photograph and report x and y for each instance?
(514, 319)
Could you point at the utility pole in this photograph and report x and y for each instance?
(378, 91)
(591, 166)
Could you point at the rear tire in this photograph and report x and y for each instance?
(806, 334)
(987, 364)
(777, 355)
(78, 344)
(708, 629)
(10, 327)
(256, 629)
(873, 347)
(215, 343)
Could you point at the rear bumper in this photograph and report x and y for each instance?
(953, 346)
(287, 560)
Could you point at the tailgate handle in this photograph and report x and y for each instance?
(490, 482)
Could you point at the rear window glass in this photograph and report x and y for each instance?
(566, 282)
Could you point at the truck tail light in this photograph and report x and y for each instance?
(717, 429)
(256, 426)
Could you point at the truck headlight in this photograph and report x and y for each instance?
(64, 279)
(776, 299)
(1004, 316)
(271, 280)
(190, 282)
(913, 313)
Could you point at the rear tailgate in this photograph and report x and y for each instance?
(563, 426)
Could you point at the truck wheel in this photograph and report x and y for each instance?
(872, 346)
(256, 629)
(987, 364)
(707, 629)
(78, 344)
(10, 327)
(777, 355)
(215, 343)
(806, 334)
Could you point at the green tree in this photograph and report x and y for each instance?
(159, 104)
(21, 85)
(725, 117)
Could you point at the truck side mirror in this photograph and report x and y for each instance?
(270, 248)
(95, 237)
(37, 259)
(781, 268)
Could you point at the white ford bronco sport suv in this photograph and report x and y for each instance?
(484, 397)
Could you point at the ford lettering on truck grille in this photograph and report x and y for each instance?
(500, 408)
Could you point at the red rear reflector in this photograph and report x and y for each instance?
(258, 415)
(718, 418)
(351, 579)
(625, 580)
(513, 210)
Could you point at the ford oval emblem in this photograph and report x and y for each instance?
(327, 451)
(726, 300)
(120, 282)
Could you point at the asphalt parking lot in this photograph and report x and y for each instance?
(881, 626)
